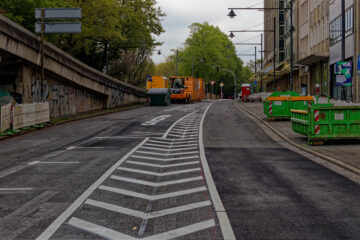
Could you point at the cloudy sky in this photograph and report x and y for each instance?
(182, 13)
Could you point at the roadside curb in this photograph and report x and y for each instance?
(52, 124)
(323, 156)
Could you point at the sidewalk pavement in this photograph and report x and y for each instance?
(343, 152)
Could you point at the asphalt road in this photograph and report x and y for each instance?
(270, 192)
(128, 175)
(145, 174)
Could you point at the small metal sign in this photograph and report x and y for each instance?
(59, 13)
(358, 64)
(339, 116)
(212, 83)
(221, 84)
(59, 27)
(149, 78)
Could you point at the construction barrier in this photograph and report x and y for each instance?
(25, 115)
(5, 120)
(324, 122)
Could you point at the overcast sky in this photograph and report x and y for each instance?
(182, 13)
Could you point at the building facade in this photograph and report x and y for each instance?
(342, 88)
(317, 47)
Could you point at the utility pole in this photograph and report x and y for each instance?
(42, 77)
(177, 61)
(261, 64)
(343, 46)
(274, 58)
(291, 45)
(255, 61)
(255, 67)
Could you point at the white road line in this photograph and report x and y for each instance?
(165, 159)
(15, 189)
(173, 143)
(225, 225)
(98, 230)
(72, 147)
(170, 146)
(186, 128)
(138, 214)
(169, 150)
(158, 174)
(183, 231)
(162, 166)
(182, 131)
(153, 184)
(13, 170)
(152, 197)
(40, 162)
(54, 226)
(167, 132)
(185, 125)
(167, 154)
(177, 140)
(108, 233)
(188, 134)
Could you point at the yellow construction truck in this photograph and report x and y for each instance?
(187, 89)
(157, 82)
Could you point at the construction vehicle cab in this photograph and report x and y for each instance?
(181, 89)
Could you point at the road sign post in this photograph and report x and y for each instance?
(221, 86)
(212, 89)
(43, 27)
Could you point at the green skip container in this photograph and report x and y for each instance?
(159, 96)
(280, 107)
(326, 122)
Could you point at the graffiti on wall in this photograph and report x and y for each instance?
(36, 90)
(64, 100)
(116, 98)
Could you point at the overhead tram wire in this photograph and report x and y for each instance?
(256, 4)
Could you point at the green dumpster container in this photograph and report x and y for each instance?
(278, 110)
(285, 94)
(279, 107)
(325, 122)
(159, 96)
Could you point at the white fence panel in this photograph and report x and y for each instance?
(30, 114)
(5, 120)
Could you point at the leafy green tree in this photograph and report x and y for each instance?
(112, 30)
(206, 50)
(23, 11)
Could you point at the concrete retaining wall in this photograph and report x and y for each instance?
(70, 86)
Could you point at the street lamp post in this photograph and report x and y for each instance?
(265, 30)
(232, 15)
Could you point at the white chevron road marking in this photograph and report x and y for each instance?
(159, 174)
(171, 146)
(138, 214)
(163, 166)
(152, 197)
(168, 150)
(165, 159)
(115, 235)
(167, 154)
(154, 184)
